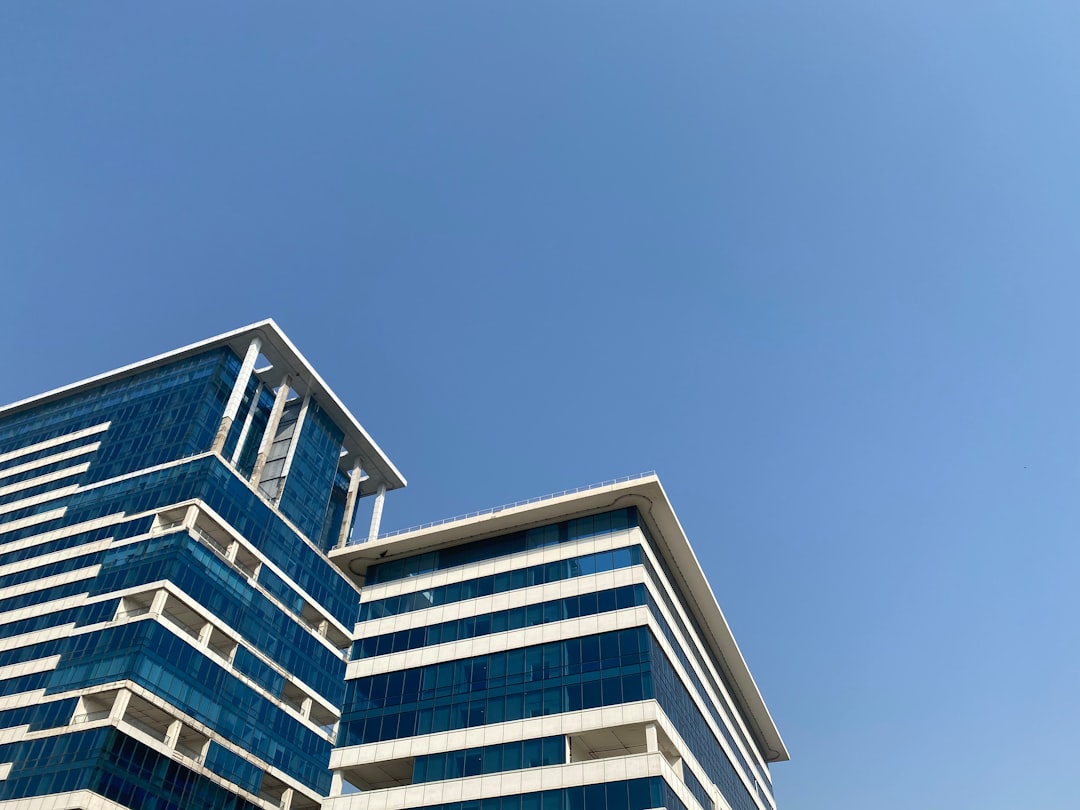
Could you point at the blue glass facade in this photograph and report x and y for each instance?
(204, 477)
(581, 673)
(633, 794)
(519, 578)
(501, 621)
(115, 766)
(150, 655)
(571, 675)
(260, 416)
(253, 680)
(567, 531)
(680, 652)
(154, 417)
(565, 676)
(177, 634)
(311, 476)
(512, 756)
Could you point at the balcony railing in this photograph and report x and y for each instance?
(494, 509)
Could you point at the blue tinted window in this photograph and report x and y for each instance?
(115, 766)
(565, 532)
(635, 794)
(147, 653)
(312, 472)
(502, 620)
(225, 763)
(490, 759)
(498, 583)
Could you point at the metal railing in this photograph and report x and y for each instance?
(494, 509)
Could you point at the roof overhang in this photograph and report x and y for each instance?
(647, 494)
(285, 359)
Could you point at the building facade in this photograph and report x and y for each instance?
(565, 654)
(172, 633)
(191, 618)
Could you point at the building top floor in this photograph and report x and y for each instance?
(657, 519)
(277, 362)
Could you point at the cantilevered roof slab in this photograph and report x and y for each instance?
(285, 359)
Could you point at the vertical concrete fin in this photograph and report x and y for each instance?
(376, 513)
(350, 503)
(237, 395)
(271, 430)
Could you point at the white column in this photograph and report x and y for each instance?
(350, 504)
(237, 395)
(247, 425)
(376, 513)
(271, 429)
(292, 446)
(652, 744)
(120, 704)
(172, 736)
(190, 516)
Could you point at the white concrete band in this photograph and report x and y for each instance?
(45, 445)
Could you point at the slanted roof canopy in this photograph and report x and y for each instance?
(285, 359)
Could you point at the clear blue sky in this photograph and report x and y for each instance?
(815, 263)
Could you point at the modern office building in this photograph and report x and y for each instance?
(172, 634)
(192, 616)
(562, 654)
